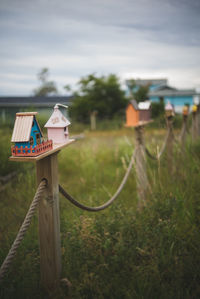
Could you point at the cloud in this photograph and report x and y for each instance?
(75, 38)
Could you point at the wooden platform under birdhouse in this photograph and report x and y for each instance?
(56, 148)
(139, 124)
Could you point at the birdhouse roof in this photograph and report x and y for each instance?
(22, 126)
(144, 105)
(134, 104)
(57, 120)
(169, 107)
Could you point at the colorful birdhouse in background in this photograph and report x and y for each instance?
(185, 110)
(27, 136)
(57, 126)
(169, 110)
(194, 108)
(137, 113)
(144, 111)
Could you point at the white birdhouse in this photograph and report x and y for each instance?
(57, 126)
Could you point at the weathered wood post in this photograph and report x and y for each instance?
(49, 218)
(140, 166)
(196, 106)
(194, 123)
(198, 119)
(49, 222)
(170, 142)
(137, 116)
(93, 115)
(184, 127)
(169, 113)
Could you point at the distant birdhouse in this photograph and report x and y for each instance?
(194, 108)
(169, 110)
(57, 126)
(27, 136)
(144, 111)
(185, 110)
(137, 113)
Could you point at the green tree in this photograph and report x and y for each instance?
(46, 87)
(142, 93)
(139, 93)
(101, 94)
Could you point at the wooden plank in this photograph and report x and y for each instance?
(140, 124)
(194, 126)
(49, 223)
(56, 148)
(184, 132)
(170, 144)
(140, 167)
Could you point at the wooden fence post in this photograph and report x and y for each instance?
(184, 131)
(170, 142)
(198, 119)
(49, 223)
(93, 115)
(194, 125)
(140, 166)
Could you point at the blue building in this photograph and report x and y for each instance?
(159, 90)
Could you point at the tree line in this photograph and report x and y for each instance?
(100, 94)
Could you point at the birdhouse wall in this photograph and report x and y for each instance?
(35, 134)
(145, 115)
(23, 144)
(132, 116)
(58, 135)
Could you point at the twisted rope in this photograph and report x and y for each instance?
(164, 144)
(23, 229)
(109, 202)
(150, 155)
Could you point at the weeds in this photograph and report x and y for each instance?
(119, 252)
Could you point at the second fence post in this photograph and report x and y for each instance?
(184, 127)
(140, 166)
(170, 142)
(169, 113)
(194, 123)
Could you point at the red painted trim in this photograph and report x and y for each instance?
(32, 151)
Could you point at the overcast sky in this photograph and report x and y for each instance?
(73, 38)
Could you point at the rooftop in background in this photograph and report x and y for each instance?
(172, 92)
(160, 91)
(34, 101)
(152, 83)
(142, 82)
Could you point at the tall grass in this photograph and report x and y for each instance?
(6, 166)
(120, 252)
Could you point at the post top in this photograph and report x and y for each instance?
(140, 124)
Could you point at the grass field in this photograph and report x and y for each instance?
(120, 252)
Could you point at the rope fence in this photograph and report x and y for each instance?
(50, 173)
(25, 225)
(178, 140)
(109, 202)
